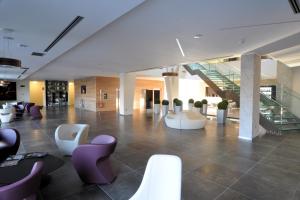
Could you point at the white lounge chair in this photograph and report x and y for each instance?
(162, 179)
(7, 115)
(69, 136)
(185, 120)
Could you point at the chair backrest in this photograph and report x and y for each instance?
(10, 136)
(162, 179)
(82, 131)
(25, 187)
(110, 143)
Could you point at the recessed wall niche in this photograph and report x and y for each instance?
(56, 93)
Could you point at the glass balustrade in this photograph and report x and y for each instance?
(277, 111)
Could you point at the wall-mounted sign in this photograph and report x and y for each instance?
(83, 89)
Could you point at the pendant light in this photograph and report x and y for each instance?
(5, 60)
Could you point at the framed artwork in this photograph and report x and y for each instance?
(105, 96)
(83, 89)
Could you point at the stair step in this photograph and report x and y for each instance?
(289, 127)
(271, 110)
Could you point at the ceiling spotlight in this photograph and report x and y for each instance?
(242, 41)
(197, 36)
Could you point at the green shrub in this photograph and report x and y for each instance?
(175, 100)
(225, 101)
(198, 104)
(223, 105)
(156, 101)
(165, 102)
(191, 100)
(204, 101)
(178, 103)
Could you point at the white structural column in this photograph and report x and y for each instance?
(127, 87)
(172, 88)
(249, 96)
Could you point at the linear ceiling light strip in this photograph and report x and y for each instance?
(64, 32)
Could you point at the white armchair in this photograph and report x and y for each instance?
(69, 136)
(7, 115)
(162, 179)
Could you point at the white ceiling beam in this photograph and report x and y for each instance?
(284, 43)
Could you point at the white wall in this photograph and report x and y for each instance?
(191, 88)
(295, 102)
(23, 90)
(127, 88)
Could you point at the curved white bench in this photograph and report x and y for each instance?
(185, 120)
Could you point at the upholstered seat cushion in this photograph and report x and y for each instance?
(3, 144)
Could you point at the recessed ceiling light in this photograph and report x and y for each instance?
(197, 36)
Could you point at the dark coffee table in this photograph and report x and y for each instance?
(12, 174)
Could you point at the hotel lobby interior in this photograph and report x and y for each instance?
(150, 100)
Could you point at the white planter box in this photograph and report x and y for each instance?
(196, 109)
(165, 109)
(156, 108)
(204, 109)
(221, 116)
(191, 105)
(178, 109)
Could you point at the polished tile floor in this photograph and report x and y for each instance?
(216, 165)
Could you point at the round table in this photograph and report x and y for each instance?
(12, 174)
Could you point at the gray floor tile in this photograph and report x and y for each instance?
(232, 195)
(280, 178)
(259, 189)
(213, 157)
(218, 174)
(123, 187)
(195, 187)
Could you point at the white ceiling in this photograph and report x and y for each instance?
(38, 22)
(144, 37)
(289, 56)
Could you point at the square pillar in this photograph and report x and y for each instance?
(172, 88)
(249, 96)
(127, 87)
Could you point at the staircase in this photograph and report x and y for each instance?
(274, 116)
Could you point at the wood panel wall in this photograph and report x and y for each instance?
(107, 86)
(143, 84)
(89, 99)
(94, 99)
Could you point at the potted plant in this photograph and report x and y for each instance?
(178, 106)
(222, 112)
(165, 107)
(204, 106)
(198, 106)
(156, 106)
(191, 104)
(174, 103)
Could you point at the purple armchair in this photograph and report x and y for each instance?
(91, 161)
(9, 142)
(26, 188)
(35, 112)
(28, 106)
(20, 108)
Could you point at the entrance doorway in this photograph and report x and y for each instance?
(150, 97)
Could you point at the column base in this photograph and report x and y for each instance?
(245, 138)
